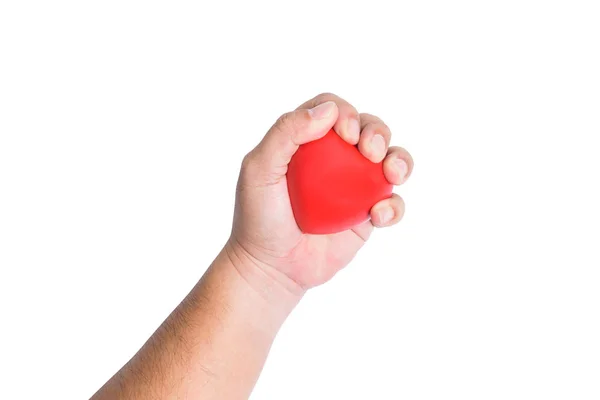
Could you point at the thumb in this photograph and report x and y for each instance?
(293, 129)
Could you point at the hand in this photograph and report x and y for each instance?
(264, 229)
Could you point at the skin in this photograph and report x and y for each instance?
(214, 344)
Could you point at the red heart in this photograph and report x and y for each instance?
(332, 186)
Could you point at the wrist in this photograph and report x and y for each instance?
(277, 290)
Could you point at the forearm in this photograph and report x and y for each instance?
(214, 344)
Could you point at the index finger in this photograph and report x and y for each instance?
(348, 122)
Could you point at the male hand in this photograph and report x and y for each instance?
(265, 235)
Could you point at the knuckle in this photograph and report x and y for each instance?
(285, 122)
(368, 117)
(370, 127)
(378, 126)
(251, 170)
(292, 122)
(256, 171)
(398, 203)
(325, 96)
(353, 114)
(347, 110)
(371, 118)
(284, 119)
(385, 129)
(248, 163)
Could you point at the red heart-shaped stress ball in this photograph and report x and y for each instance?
(332, 186)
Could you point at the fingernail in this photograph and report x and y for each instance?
(353, 130)
(322, 111)
(386, 214)
(401, 168)
(378, 146)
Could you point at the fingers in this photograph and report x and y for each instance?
(387, 212)
(293, 129)
(374, 141)
(313, 119)
(375, 137)
(348, 123)
(397, 165)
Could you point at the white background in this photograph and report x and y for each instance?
(122, 126)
